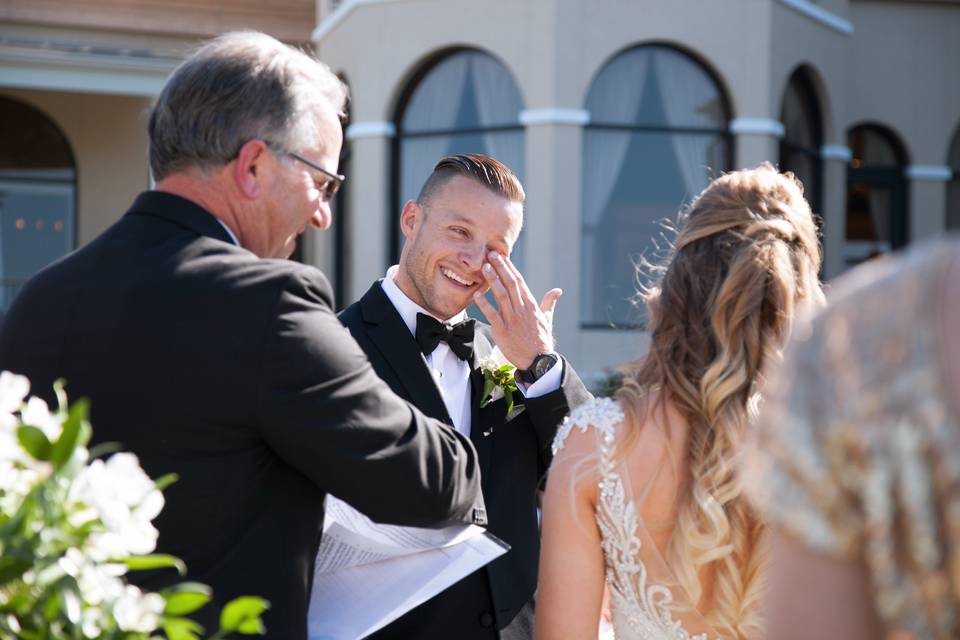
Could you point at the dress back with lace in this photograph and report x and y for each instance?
(647, 602)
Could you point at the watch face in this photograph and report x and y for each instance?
(544, 364)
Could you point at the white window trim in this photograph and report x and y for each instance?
(340, 13)
(757, 127)
(554, 115)
(929, 172)
(371, 129)
(33, 66)
(821, 15)
(836, 152)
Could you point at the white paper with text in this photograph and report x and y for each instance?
(367, 574)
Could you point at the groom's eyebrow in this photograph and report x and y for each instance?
(461, 219)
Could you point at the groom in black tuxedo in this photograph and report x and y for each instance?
(414, 328)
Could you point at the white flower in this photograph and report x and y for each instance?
(125, 499)
(37, 414)
(136, 611)
(493, 361)
(98, 583)
(93, 622)
(13, 389)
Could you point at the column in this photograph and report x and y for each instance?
(836, 158)
(369, 183)
(928, 199)
(755, 140)
(553, 210)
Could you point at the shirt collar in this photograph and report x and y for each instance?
(229, 232)
(407, 308)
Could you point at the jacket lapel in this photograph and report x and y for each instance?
(391, 337)
(481, 420)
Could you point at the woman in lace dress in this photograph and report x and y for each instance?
(855, 462)
(643, 493)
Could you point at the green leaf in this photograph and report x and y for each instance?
(105, 448)
(507, 368)
(59, 388)
(508, 396)
(186, 598)
(166, 480)
(242, 615)
(52, 608)
(34, 442)
(181, 629)
(488, 385)
(12, 568)
(73, 431)
(154, 561)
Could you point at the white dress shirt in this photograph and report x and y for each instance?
(229, 232)
(452, 374)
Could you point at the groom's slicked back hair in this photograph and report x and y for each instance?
(490, 172)
(239, 87)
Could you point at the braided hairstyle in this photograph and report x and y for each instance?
(746, 255)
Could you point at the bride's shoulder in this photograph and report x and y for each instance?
(601, 414)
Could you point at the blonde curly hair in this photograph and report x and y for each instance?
(745, 256)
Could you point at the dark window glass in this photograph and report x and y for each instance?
(953, 188)
(803, 136)
(37, 195)
(657, 134)
(876, 219)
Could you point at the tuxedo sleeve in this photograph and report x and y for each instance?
(546, 412)
(323, 409)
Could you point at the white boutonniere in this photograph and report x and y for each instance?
(497, 372)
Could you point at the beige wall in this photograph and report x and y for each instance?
(380, 46)
(898, 63)
(108, 139)
(904, 75)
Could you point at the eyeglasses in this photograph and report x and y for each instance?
(334, 180)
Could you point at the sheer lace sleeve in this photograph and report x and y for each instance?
(602, 413)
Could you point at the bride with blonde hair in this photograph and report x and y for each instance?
(643, 494)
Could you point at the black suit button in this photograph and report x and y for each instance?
(486, 619)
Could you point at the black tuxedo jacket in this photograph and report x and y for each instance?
(514, 451)
(234, 373)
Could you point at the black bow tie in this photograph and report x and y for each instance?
(459, 337)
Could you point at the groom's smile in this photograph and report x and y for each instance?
(457, 279)
(448, 237)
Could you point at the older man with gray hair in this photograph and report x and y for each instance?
(207, 357)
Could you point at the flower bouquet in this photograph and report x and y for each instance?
(72, 524)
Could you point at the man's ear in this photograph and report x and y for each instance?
(249, 168)
(412, 212)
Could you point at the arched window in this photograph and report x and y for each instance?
(657, 134)
(802, 136)
(37, 195)
(953, 188)
(876, 194)
(464, 102)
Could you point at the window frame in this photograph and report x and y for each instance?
(723, 132)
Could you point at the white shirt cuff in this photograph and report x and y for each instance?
(549, 383)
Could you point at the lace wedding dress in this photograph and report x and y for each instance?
(646, 600)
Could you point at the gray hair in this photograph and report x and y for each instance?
(238, 87)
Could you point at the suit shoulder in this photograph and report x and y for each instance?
(291, 278)
(351, 316)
